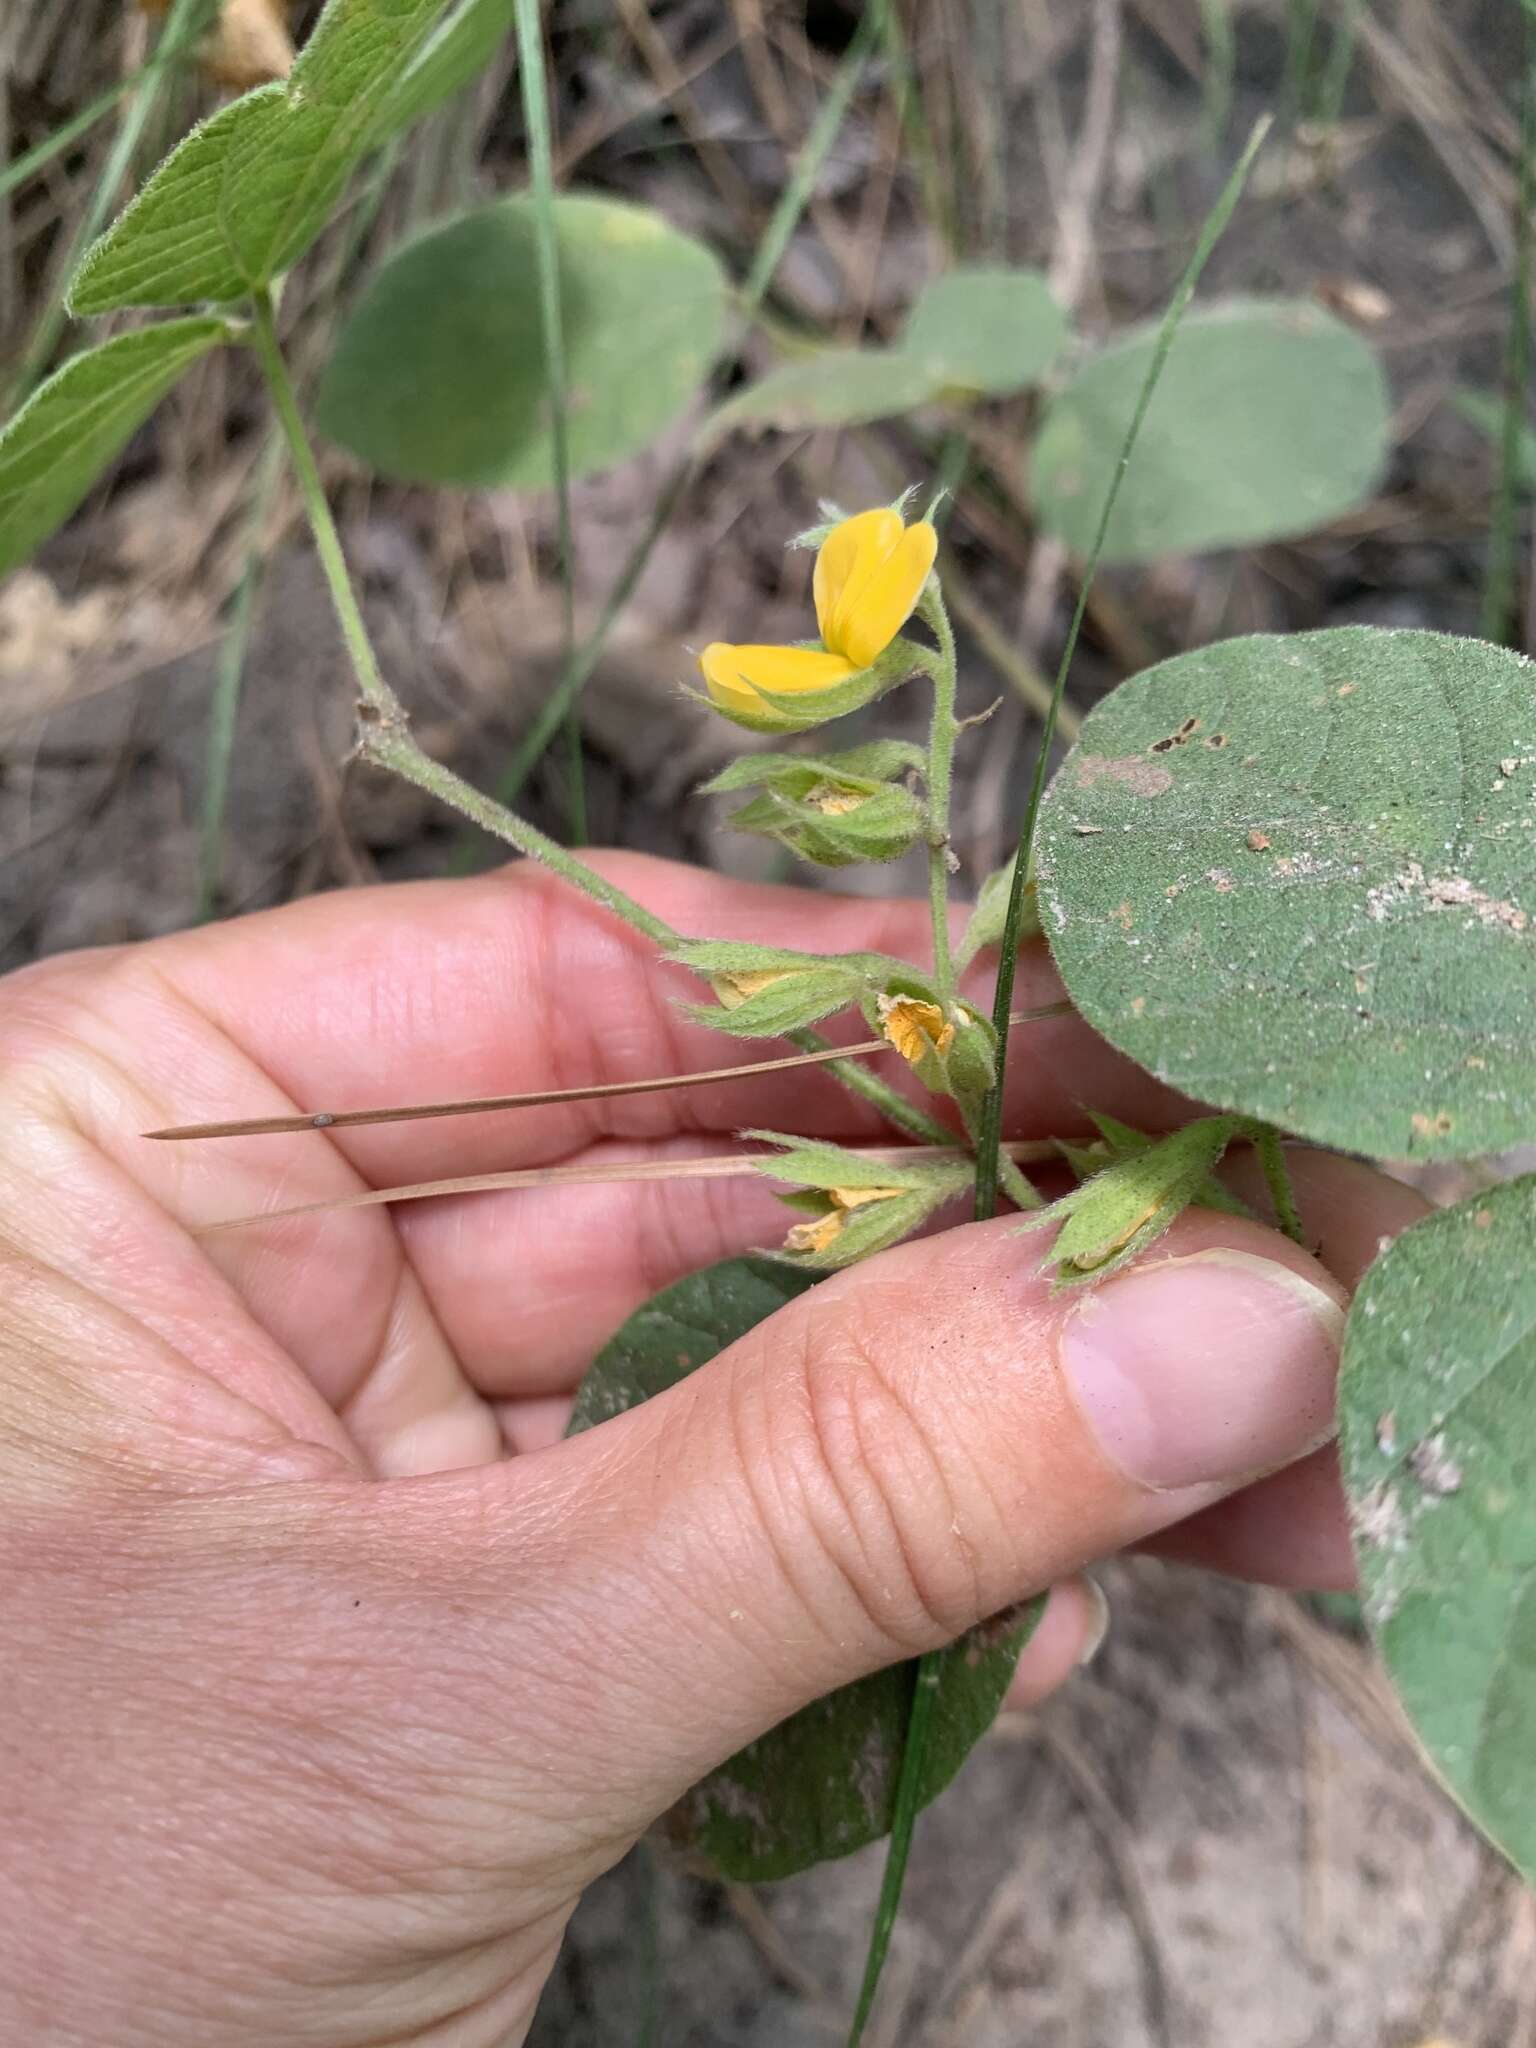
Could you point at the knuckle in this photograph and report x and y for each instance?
(866, 1466)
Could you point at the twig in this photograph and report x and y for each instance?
(718, 1166)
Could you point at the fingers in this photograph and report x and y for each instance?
(1292, 1529)
(514, 983)
(901, 1452)
(1068, 1635)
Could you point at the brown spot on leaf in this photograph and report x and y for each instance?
(1483, 1220)
(1217, 740)
(1440, 1125)
(1345, 690)
(1140, 777)
(1123, 915)
(1258, 842)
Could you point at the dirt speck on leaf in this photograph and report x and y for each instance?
(1141, 777)
(1444, 892)
(1435, 1469)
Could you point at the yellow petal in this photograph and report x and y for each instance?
(735, 675)
(915, 1028)
(844, 561)
(833, 800)
(732, 990)
(815, 1237)
(856, 1198)
(870, 618)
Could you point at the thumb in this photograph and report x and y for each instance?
(900, 1452)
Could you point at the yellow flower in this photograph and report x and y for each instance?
(915, 1028)
(870, 572)
(817, 1236)
(735, 989)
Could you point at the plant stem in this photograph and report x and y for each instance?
(941, 756)
(381, 700)
(386, 739)
(1270, 1146)
(1215, 221)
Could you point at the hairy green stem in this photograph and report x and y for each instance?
(1270, 1146)
(941, 757)
(381, 700)
(386, 739)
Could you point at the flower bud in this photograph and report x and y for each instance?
(1129, 1203)
(855, 1205)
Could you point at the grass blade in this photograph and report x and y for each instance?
(184, 24)
(1504, 526)
(541, 178)
(989, 1147)
(224, 708)
(1210, 233)
(563, 699)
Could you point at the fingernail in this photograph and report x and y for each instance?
(1098, 1619)
(1219, 1366)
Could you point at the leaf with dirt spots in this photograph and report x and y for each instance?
(824, 1783)
(1271, 418)
(1320, 909)
(1438, 1445)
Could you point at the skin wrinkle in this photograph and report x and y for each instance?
(765, 1421)
(405, 1335)
(836, 1385)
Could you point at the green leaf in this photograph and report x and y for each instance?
(1485, 410)
(73, 425)
(840, 387)
(678, 1330)
(986, 328)
(1297, 878)
(880, 825)
(1271, 419)
(439, 374)
(869, 765)
(453, 56)
(822, 1784)
(1437, 1407)
(241, 199)
(985, 929)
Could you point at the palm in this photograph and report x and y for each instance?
(432, 1335)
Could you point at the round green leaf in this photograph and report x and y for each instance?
(1271, 418)
(986, 328)
(439, 378)
(1297, 878)
(839, 387)
(1438, 1445)
(824, 1783)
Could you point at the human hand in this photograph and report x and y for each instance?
(331, 1674)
